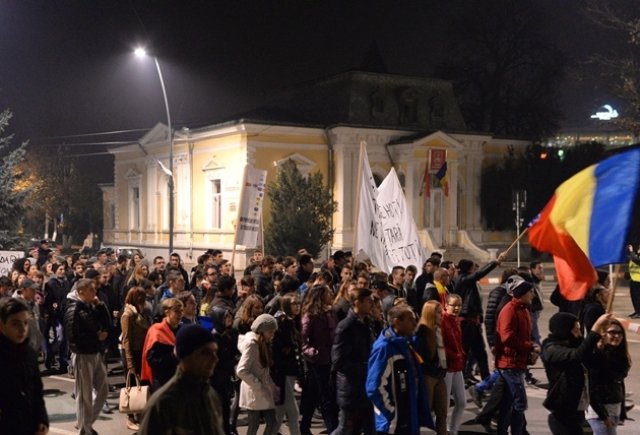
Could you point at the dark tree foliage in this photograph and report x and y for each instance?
(13, 187)
(619, 67)
(537, 175)
(66, 191)
(301, 211)
(506, 75)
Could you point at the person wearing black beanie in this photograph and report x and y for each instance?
(563, 355)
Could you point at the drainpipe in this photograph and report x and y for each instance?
(327, 132)
(190, 145)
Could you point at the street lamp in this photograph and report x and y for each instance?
(141, 52)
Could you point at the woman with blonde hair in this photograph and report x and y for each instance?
(256, 389)
(430, 346)
(139, 272)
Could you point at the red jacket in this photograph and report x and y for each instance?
(452, 338)
(513, 336)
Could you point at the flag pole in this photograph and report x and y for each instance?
(235, 236)
(614, 286)
(515, 241)
(356, 218)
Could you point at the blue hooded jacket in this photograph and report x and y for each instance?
(396, 386)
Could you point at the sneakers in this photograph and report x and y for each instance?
(475, 396)
(531, 380)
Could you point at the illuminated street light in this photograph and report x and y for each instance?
(141, 52)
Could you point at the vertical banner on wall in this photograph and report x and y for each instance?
(437, 157)
(250, 209)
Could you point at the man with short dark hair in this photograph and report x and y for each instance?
(350, 356)
(175, 264)
(86, 330)
(396, 281)
(305, 268)
(225, 290)
(159, 264)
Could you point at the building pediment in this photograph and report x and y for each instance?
(211, 165)
(304, 164)
(439, 139)
(158, 135)
(132, 174)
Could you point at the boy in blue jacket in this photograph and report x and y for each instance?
(395, 383)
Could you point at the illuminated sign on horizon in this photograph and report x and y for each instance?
(607, 114)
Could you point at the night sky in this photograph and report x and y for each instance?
(67, 68)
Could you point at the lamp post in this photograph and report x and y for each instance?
(141, 52)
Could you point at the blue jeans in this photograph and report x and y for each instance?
(599, 428)
(514, 402)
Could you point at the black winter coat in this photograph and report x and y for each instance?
(467, 287)
(22, 406)
(82, 322)
(563, 362)
(607, 371)
(494, 305)
(350, 358)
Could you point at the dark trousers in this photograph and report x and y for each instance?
(225, 391)
(318, 389)
(566, 422)
(634, 291)
(493, 404)
(473, 340)
(355, 421)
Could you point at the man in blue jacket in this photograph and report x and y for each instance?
(395, 383)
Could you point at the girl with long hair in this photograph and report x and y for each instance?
(318, 332)
(250, 309)
(607, 370)
(139, 272)
(454, 379)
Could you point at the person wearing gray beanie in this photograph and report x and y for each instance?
(264, 323)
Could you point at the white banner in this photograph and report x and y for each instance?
(402, 246)
(250, 210)
(369, 229)
(6, 261)
(386, 231)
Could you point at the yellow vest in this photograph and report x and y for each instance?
(634, 271)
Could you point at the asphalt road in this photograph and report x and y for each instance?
(61, 407)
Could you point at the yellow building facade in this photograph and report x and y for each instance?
(208, 164)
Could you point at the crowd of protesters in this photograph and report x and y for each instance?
(376, 353)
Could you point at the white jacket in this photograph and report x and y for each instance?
(255, 389)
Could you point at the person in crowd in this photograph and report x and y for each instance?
(607, 370)
(257, 388)
(593, 306)
(395, 384)
(287, 351)
(634, 280)
(264, 284)
(430, 345)
(228, 355)
(514, 350)
(305, 268)
(189, 313)
(56, 290)
(318, 333)
(158, 360)
(438, 289)
(6, 287)
(22, 406)
(138, 273)
(426, 276)
(362, 279)
(350, 357)
(43, 252)
(27, 292)
(471, 313)
(136, 259)
(86, 323)
(158, 264)
(288, 284)
(247, 313)
(454, 350)
(409, 285)
(564, 353)
(377, 322)
(187, 404)
(119, 279)
(175, 284)
(225, 290)
(226, 268)
(342, 301)
(396, 281)
(134, 327)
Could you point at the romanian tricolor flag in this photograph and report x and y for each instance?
(441, 175)
(586, 222)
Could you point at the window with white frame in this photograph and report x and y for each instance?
(134, 217)
(216, 203)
